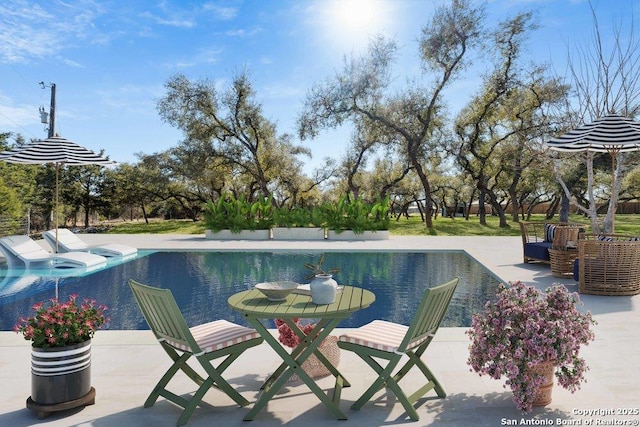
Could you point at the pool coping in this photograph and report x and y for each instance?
(127, 363)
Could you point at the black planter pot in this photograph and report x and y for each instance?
(60, 378)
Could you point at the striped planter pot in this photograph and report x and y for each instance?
(60, 374)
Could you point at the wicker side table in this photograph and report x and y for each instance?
(562, 262)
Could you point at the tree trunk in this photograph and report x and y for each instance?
(144, 214)
(482, 213)
(564, 208)
(427, 192)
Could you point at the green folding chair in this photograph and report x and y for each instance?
(205, 342)
(391, 342)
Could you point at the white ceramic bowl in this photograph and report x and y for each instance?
(276, 291)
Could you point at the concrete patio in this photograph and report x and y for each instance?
(126, 364)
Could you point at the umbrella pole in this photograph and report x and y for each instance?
(56, 208)
(614, 189)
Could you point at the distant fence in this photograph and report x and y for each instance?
(10, 226)
(541, 208)
(623, 208)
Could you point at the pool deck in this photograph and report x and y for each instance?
(127, 364)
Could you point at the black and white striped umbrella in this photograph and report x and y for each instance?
(56, 150)
(610, 134)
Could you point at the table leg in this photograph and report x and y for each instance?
(293, 363)
(322, 325)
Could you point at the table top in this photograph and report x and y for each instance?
(254, 303)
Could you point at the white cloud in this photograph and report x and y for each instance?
(225, 13)
(243, 33)
(203, 56)
(14, 117)
(28, 31)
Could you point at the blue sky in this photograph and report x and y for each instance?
(110, 59)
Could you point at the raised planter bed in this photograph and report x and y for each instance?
(298, 233)
(350, 235)
(243, 235)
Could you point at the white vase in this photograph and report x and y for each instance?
(323, 289)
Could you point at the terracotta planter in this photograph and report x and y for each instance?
(546, 369)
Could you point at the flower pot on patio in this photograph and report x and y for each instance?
(60, 378)
(61, 332)
(546, 369)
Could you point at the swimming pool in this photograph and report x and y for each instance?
(202, 281)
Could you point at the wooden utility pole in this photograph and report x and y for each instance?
(52, 110)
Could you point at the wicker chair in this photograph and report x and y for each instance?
(540, 236)
(609, 265)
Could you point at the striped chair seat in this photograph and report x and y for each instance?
(217, 335)
(380, 335)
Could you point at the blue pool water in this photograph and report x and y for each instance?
(202, 281)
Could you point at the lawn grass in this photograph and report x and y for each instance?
(624, 224)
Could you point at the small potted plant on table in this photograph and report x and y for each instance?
(323, 287)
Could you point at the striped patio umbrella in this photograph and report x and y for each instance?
(611, 134)
(56, 150)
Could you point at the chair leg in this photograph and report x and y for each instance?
(415, 359)
(384, 374)
(215, 376)
(385, 378)
(162, 384)
(403, 399)
(214, 379)
(433, 381)
(194, 402)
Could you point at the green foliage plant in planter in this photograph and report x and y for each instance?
(357, 216)
(228, 213)
(236, 214)
(527, 327)
(292, 217)
(318, 219)
(297, 223)
(261, 214)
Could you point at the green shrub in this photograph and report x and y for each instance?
(357, 215)
(237, 214)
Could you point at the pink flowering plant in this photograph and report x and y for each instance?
(525, 327)
(287, 337)
(58, 324)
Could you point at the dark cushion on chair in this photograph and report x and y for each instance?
(549, 232)
(537, 250)
(576, 270)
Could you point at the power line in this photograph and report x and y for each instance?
(18, 124)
